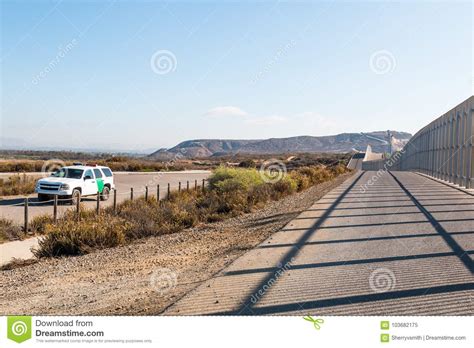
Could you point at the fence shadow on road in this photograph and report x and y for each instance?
(456, 252)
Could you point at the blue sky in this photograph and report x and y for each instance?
(141, 75)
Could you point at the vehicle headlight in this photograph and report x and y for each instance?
(64, 187)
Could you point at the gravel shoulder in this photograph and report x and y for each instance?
(123, 280)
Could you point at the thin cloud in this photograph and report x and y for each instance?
(226, 111)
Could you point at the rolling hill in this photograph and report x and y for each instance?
(345, 142)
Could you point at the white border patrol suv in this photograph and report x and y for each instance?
(73, 182)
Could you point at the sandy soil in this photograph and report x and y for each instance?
(146, 277)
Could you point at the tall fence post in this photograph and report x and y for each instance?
(115, 201)
(158, 192)
(179, 186)
(195, 184)
(55, 209)
(187, 185)
(131, 193)
(26, 215)
(78, 209)
(97, 209)
(203, 186)
(146, 193)
(169, 191)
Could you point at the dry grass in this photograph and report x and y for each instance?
(9, 231)
(231, 192)
(17, 184)
(114, 163)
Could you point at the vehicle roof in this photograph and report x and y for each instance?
(85, 167)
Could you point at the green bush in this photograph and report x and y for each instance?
(226, 179)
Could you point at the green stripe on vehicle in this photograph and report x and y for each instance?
(100, 185)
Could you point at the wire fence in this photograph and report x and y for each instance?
(158, 191)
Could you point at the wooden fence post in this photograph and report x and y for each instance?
(131, 193)
(179, 187)
(195, 184)
(169, 191)
(203, 186)
(26, 215)
(115, 201)
(187, 185)
(157, 192)
(78, 209)
(55, 209)
(146, 193)
(97, 209)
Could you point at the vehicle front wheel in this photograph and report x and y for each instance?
(105, 193)
(75, 197)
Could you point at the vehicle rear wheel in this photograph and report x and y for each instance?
(75, 197)
(105, 193)
(42, 197)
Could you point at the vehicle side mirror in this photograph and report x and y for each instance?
(87, 177)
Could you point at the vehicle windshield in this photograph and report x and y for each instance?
(70, 173)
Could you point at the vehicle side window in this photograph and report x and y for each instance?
(107, 172)
(98, 173)
(89, 173)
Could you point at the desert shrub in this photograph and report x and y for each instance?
(9, 231)
(226, 179)
(259, 195)
(284, 187)
(302, 181)
(248, 163)
(339, 169)
(142, 215)
(38, 223)
(17, 184)
(69, 237)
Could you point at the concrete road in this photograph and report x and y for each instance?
(20, 249)
(13, 208)
(400, 246)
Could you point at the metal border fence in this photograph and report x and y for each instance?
(443, 149)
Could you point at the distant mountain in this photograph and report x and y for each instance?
(345, 142)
